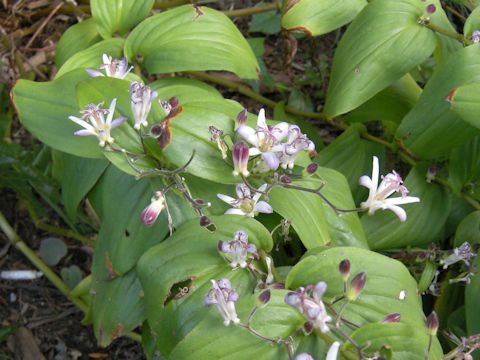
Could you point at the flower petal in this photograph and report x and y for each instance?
(234, 212)
(375, 173)
(263, 207)
(333, 351)
(402, 215)
(249, 134)
(271, 160)
(365, 181)
(279, 131)
(117, 122)
(82, 123)
(84, 133)
(111, 110)
(94, 73)
(402, 200)
(254, 151)
(261, 122)
(228, 199)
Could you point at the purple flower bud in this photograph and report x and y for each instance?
(173, 101)
(279, 286)
(150, 213)
(264, 297)
(205, 221)
(312, 168)
(285, 179)
(242, 117)
(430, 9)
(156, 130)
(475, 37)
(240, 159)
(356, 286)
(344, 269)
(392, 318)
(308, 327)
(432, 323)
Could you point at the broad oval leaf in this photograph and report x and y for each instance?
(77, 176)
(430, 129)
(91, 57)
(44, 108)
(315, 222)
(381, 45)
(319, 17)
(464, 167)
(472, 23)
(405, 341)
(114, 16)
(191, 256)
(77, 38)
(389, 287)
(464, 102)
(191, 38)
(425, 221)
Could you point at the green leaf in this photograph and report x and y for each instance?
(430, 129)
(189, 259)
(425, 220)
(464, 166)
(91, 57)
(464, 103)
(44, 108)
(71, 275)
(77, 176)
(191, 39)
(468, 230)
(267, 22)
(320, 17)
(77, 38)
(472, 315)
(390, 104)
(406, 342)
(314, 221)
(52, 250)
(389, 288)
(472, 23)
(119, 199)
(113, 16)
(117, 306)
(381, 45)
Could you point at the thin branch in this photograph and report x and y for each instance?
(252, 10)
(446, 32)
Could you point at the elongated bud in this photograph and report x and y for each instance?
(173, 101)
(356, 286)
(304, 356)
(242, 118)
(240, 159)
(392, 318)
(344, 269)
(312, 168)
(150, 213)
(264, 297)
(432, 323)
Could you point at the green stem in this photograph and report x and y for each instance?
(252, 10)
(16, 241)
(446, 32)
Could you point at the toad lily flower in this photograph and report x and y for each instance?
(240, 156)
(113, 68)
(377, 198)
(265, 140)
(151, 212)
(296, 142)
(462, 253)
(97, 125)
(246, 204)
(309, 302)
(237, 250)
(224, 297)
(141, 101)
